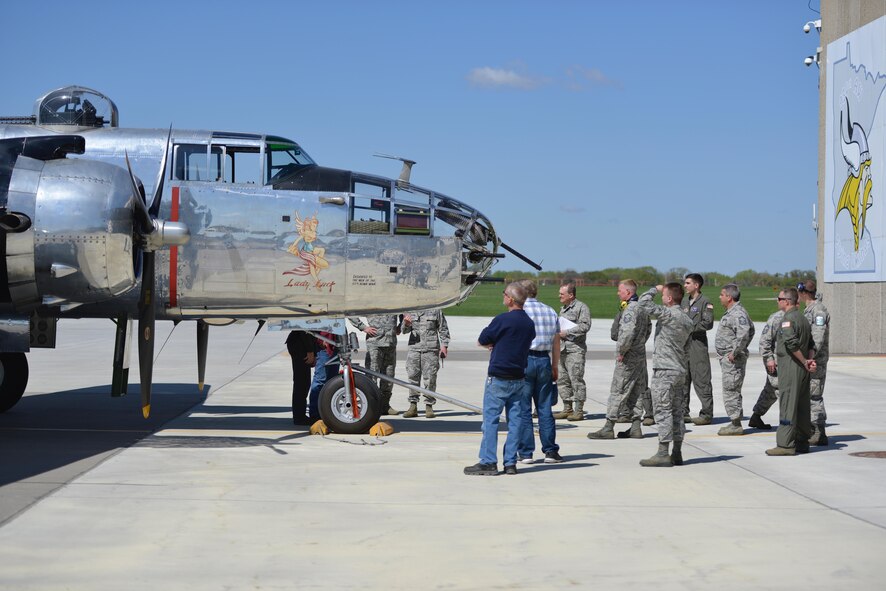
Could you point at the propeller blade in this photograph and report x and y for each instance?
(202, 345)
(121, 356)
(141, 215)
(146, 317)
(161, 178)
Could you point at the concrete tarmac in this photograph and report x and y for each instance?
(228, 495)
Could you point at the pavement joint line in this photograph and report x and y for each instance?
(238, 376)
(566, 434)
(796, 492)
(652, 506)
(62, 429)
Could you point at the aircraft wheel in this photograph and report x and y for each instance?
(336, 407)
(13, 379)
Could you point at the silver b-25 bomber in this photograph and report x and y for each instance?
(98, 221)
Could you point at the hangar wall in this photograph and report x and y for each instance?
(857, 309)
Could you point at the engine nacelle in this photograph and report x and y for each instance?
(79, 246)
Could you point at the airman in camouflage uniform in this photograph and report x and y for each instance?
(381, 351)
(795, 364)
(428, 342)
(573, 349)
(701, 311)
(630, 331)
(734, 334)
(769, 394)
(820, 321)
(669, 362)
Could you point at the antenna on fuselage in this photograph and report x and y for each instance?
(405, 171)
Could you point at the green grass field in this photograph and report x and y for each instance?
(603, 301)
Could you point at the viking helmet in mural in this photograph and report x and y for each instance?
(856, 194)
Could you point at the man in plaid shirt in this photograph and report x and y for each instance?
(541, 373)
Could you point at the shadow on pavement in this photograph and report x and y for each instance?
(709, 460)
(575, 457)
(836, 442)
(541, 467)
(232, 422)
(423, 425)
(209, 442)
(44, 432)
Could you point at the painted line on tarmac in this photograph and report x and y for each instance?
(569, 434)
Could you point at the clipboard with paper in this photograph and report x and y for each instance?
(566, 324)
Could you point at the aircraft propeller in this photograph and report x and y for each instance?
(151, 234)
(202, 345)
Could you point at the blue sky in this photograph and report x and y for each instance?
(593, 134)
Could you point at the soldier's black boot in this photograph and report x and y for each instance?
(818, 436)
(567, 410)
(429, 411)
(660, 459)
(756, 422)
(412, 411)
(635, 432)
(605, 433)
(677, 453)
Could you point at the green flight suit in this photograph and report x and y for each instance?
(794, 425)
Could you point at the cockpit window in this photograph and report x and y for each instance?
(283, 157)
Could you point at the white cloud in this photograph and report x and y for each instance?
(578, 77)
(487, 77)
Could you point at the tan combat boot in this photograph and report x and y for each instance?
(567, 410)
(734, 428)
(412, 411)
(660, 459)
(429, 411)
(578, 413)
(605, 433)
(634, 432)
(781, 451)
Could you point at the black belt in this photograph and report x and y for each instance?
(508, 379)
(539, 353)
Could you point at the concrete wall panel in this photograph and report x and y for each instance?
(857, 324)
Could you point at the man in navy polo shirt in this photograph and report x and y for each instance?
(508, 337)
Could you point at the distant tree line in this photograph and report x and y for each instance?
(652, 276)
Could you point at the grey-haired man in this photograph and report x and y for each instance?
(734, 334)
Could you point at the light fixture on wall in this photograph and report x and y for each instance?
(812, 24)
(813, 59)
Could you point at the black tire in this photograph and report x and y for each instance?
(13, 379)
(336, 409)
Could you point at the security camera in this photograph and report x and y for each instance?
(809, 60)
(808, 26)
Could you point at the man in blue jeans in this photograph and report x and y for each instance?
(322, 372)
(541, 373)
(508, 336)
